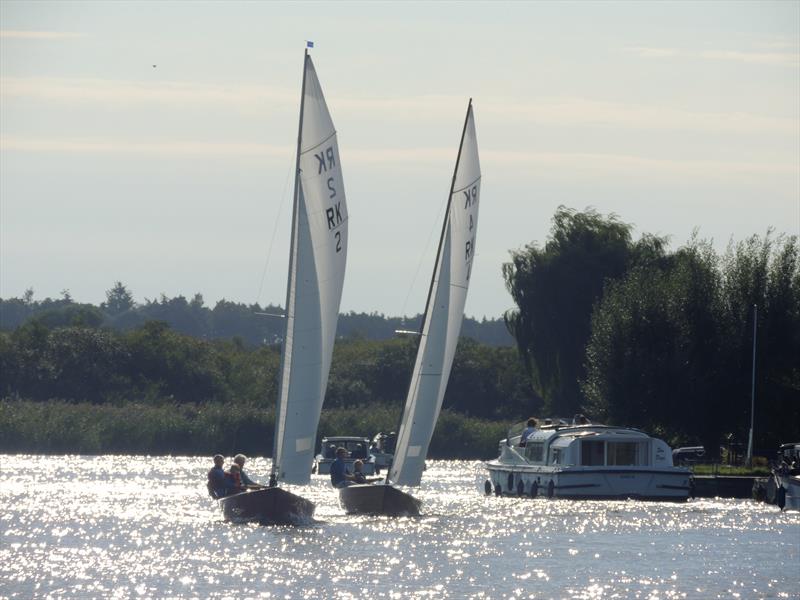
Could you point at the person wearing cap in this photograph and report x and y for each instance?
(240, 459)
(218, 485)
(339, 476)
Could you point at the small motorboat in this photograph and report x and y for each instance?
(357, 449)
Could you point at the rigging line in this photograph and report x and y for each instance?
(274, 231)
(434, 224)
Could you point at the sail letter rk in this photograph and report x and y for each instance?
(471, 196)
(325, 154)
(334, 215)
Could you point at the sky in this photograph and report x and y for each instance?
(153, 142)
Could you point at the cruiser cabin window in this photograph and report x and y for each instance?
(593, 453)
(598, 453)
(625, 453)
(534, 452)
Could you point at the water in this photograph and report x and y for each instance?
(119, 527)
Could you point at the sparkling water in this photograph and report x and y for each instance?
(121, 526)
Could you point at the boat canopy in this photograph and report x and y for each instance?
(591, 445)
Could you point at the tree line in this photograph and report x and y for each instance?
(156, 364)
(251, 323)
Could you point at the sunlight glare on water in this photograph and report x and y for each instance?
(120, 526)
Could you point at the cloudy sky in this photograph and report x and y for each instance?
(153, 143)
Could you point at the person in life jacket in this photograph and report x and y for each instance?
(240, 459)
(218, 484)
(358, 473)
(234, 475)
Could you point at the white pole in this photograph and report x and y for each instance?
(752, 390)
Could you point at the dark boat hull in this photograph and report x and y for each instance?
(267, 506)
(378, 499)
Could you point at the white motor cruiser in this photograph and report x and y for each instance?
(562, 460)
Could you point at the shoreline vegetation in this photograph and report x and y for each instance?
(627, 332)
(760, 468)
(69, 384)
(60, 427)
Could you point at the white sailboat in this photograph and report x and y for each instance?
(317, 258)
(441, 327)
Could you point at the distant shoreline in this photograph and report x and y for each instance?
(130, 428)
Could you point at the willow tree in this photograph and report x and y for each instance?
(555, 288)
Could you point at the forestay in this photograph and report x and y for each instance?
(443, 315)
(316, 275)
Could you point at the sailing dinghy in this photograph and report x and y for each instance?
(441, 326)
(317, 258)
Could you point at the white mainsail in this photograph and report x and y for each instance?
(316, 274)
(443, 315)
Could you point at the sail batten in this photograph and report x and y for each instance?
(444, 313)
(471, 183)
(318, 256)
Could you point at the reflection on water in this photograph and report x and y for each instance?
(118, 526)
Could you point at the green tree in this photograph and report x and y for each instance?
(490, 383)
(762, 271)
(671, 347)
(118, 300)
(169, 365)
(652, 358)
(555, 288)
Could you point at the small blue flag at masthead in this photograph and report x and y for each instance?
(309, 44)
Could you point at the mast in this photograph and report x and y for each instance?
(280, 406)
(446, 219)
(752, 389)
